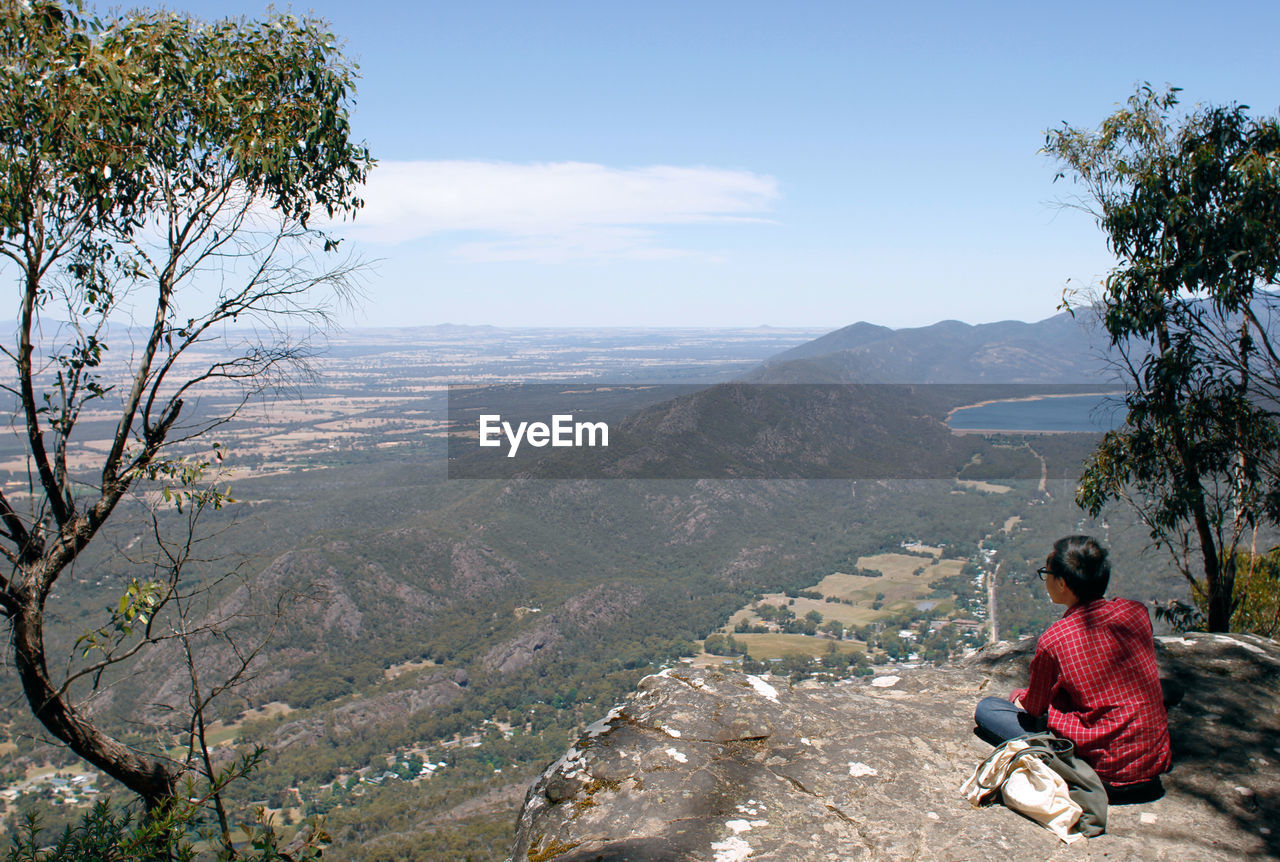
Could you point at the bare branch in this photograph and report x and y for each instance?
(58, 497)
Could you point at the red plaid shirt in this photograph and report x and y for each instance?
(1095, 672)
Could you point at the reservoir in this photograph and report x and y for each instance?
(1046, 413)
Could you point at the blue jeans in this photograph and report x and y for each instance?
(999, 720)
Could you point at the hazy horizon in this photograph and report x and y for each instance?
(738, 164)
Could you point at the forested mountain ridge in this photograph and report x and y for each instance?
(788, 431)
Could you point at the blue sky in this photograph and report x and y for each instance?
(744, 163)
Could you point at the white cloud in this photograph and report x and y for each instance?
(553, 212)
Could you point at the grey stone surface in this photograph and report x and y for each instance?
(719, 766)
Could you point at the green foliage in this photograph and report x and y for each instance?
(180, 481)
(794, 666)
(725, 645)
(138, 153)
(102, 834)
(775, 613)
(117, 114)
(1256, 602)
(801, 594)
(1180, 616)
(134, 609)
(105, 834)
(1002, 462)
(1190, 205)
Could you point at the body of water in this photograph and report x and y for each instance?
(1095, 413)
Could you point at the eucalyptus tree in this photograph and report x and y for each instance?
(1190, 204)
(161, 184)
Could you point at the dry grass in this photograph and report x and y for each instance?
(404, 667)
(903, 589)
(770, 646)
(706, 659)
(978, 485)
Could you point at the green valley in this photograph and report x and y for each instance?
(441, 640)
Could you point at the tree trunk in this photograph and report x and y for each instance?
(1218, 584)
(150, 778)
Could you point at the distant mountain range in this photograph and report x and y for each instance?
(865, 401)
(1060, 349)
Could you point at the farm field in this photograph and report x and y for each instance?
(763, 647)
(904, 582)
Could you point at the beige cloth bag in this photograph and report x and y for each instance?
(1027, 785)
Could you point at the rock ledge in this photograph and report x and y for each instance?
(720, 766)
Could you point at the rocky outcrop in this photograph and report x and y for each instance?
(522, 650)
(429, 692)
(581, 615)
(719, 766)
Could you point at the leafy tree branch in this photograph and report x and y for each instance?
(160, 180)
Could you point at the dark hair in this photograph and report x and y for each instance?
(1083, 564)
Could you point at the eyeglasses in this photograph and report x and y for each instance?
(1044, 570)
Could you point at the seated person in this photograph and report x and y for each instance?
(1093, 679)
